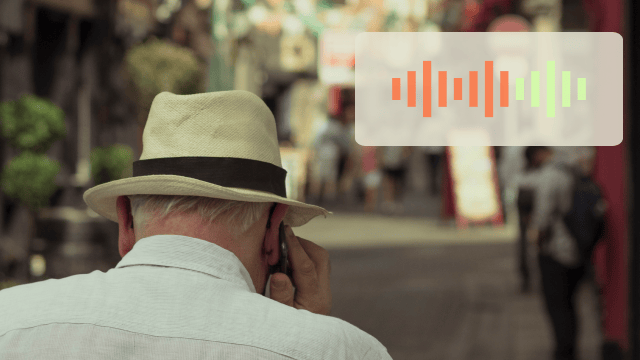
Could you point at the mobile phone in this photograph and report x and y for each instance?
(283, 265)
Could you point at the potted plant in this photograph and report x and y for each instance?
(30, 125)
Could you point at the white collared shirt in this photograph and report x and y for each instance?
(170, 297)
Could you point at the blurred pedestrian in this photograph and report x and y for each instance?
(433, 156)
(331, 148)
(395, 160)
(525, 182)
(565, 227)
(372, 176)
(350, 159)
(202, 274)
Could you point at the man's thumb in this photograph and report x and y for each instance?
(282, 289)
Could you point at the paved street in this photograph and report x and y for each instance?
(430, 292)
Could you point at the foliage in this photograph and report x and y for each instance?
(30, 178)
(158, 65)
(32, 123)
(111, 163)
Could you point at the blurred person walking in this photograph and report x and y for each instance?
(371, 178)
(567, 221)
(349, 170)
(525, 183)
(331, 149)
(433, 158)
(200, 225)
(395, 161)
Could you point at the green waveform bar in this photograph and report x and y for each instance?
(582, 89)
(551, 89)
(535, 89)
(520, 89)
(566, 88)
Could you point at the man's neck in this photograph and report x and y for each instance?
(188, 225)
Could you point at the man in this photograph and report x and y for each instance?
(525, 183)
(331, 147)
(395, 163)
(198, 232)
(432, 159)
(561, 265)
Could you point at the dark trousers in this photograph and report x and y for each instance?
(525, 275)
(525, 208)
(559, 284)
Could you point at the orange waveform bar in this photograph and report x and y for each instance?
(504, 89)
(473, 89)
(395, 95)
(488, 88)
(442, 88)
(457, 89)
(426, 89)
(411, 88)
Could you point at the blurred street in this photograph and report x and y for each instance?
(442, 295)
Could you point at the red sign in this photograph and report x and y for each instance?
(337, 57)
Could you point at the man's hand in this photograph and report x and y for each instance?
(311, 269)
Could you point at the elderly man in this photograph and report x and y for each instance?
(199, 236)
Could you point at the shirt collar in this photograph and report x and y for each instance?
(189, 253)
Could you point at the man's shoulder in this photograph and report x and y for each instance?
(328, 325)
(321, 333)
(338, 331)
(33, 304)
(282, 329)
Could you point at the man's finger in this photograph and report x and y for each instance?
(281, 289)
(311, 267)
(320, 257)
(304, 269)
(317, 254)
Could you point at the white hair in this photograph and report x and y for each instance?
(239, 215)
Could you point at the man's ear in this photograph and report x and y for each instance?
(126, 234)
(271, 240)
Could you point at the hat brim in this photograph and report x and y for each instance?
(102, 198)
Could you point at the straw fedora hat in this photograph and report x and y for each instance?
(218, 144)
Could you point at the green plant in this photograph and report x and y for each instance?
(30, 178)
(32, 123)
(158, 65)
(111, 163)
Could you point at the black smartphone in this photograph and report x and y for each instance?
(283, 265)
